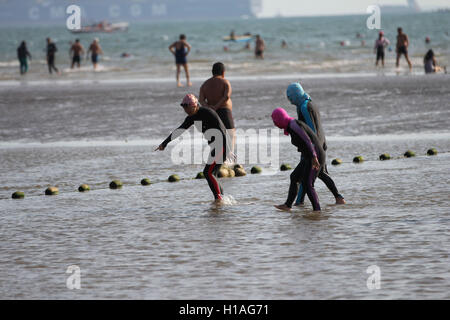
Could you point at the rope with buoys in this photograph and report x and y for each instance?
(224, 172)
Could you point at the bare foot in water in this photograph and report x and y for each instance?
(189, 84)
(340, 200)
(179, 85)
(218, 201)
(283, 207)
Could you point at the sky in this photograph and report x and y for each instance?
(336, 7)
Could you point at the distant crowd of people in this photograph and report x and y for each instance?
(181, 48)
(76, 52)
(429, 61)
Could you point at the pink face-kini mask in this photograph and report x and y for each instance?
(281, 119)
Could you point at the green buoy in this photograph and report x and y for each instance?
(358, 159)
(239, 172)
(84, 188)
(432, 152)
(18, 195)
(115, 184)
(146, 182)
(336, 162)
(285, 167)
(200, 175)
(409, 154)
(51, 191)
(174, 178)
(256, 169)
(385, 156)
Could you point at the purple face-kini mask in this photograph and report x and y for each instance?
(281, 119)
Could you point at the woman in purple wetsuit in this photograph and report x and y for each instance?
(313, 157)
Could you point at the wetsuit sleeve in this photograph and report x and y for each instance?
(315, 115)
(179, 131)
(302, 134)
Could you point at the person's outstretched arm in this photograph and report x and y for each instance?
(176, 133)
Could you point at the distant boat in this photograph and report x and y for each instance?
(104, 27)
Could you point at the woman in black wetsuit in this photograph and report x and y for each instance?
(205, 119)
(180, 49)
(22, 55)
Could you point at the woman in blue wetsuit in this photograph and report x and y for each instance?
(308, 113)
(180, 49)
(312, 161)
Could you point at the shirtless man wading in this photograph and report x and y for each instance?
(402, 47)
(215, 93)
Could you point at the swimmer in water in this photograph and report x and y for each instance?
(51, 51)
(308, 113)
(430, 63)
(205, 119)
(380, 44)
(180, 49)
(402, 47)
(313, 157)
(260, 46)
(96, 50)
(77, 50)
(22, 55)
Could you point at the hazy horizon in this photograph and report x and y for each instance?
(296, 8)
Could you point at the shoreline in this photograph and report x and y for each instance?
(267, 77)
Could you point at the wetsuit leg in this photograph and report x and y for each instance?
(301, 192)
(308, 182)
(325, 177)
(210, 172)
(296, 178)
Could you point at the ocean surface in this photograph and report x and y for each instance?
(168, 240)
(314, 47)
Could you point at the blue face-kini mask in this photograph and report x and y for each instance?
(300, 98)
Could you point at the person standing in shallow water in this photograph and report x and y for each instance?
(96, 50)
(260, 46)
(313, 158)
(208, 122)
(180, 49)
(51, 50)
(215, 93)
(380, 44)
(77, 50)
(22, 55)
(402, 47)
(308, 113)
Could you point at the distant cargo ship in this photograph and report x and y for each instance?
(54, 11)
(412, 7)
